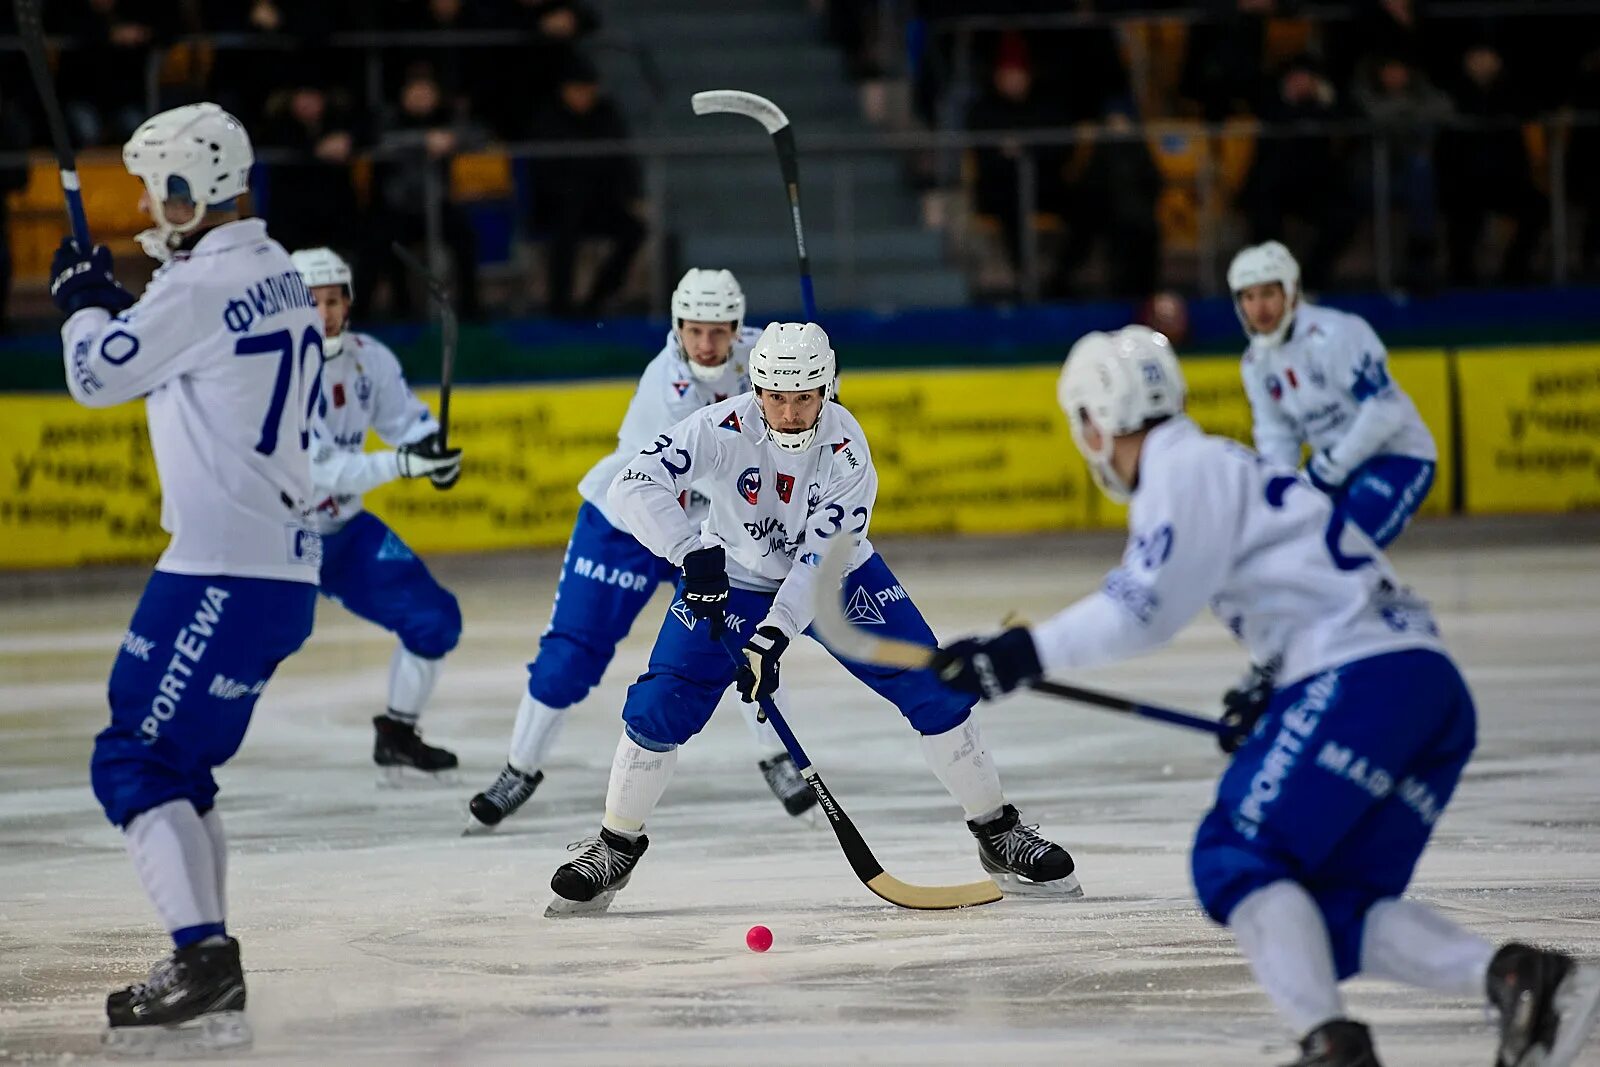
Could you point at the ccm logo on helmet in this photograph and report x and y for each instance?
(750, 485)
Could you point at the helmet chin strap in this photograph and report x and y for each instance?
(707, 374)
(161, 240)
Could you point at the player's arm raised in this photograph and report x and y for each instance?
(1361, 366)
(116, 349)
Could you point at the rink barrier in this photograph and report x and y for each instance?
(958, 451)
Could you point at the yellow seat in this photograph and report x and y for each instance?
(480, 176)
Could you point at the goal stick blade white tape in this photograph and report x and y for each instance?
(739, 102)
(839, 633)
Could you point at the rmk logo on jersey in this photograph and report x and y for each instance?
(680, 387)
(750, 485)
(860, 609)
(730, 423)
(681, 612)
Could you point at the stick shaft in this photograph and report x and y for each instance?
(30, 24)
(789, 166)
(448, 331)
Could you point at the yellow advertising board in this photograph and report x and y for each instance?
(957, 451)
(1531, 428)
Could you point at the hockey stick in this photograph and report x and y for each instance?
(30, 24)
(775, 122)
(447, 329)
(862, 861)
(855, 643)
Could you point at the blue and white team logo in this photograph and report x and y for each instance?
(750, 485)
(363, 387)
(1274, 387)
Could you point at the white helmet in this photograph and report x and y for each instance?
(324, 266)
(1264, 264)
(201, 146)
(708, 296)
(791, 357)
(1121, 382)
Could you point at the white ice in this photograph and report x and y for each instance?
(374, 933)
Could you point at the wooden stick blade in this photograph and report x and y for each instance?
(739, 102)
(934, 898)
(835, 629)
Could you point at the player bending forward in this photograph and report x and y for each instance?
(224, 347)
(1321, 818)
(1320, 377)
(608, 577)
(784, 470)
(365, 565)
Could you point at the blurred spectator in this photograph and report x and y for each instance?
(1223, 59)
(1382, 28)
(585, 196)
(465, 72)
(244, 79)
(1114, 201)
(1303, 175)
(14, 137)
(852, 26)
(103, 77)
(1012, 104)
(1167, 312)
(1408, 111)
(1487, 172)
(1583, 163)
(422, 133)
(311, 200)
(525, 84)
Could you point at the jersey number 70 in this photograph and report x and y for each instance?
(281, 342)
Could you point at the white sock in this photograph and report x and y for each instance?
(212, 821)
(538, 726)
(411, 682)
(1282, 934)
(638, 778)
(768, 743)
(172, 853)
(963, 765)
(1409, 942)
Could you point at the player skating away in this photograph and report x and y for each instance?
(225, 349)
(607, 576)
(365, 565)
(1325, 810)
(785, 471)
(1320, 377)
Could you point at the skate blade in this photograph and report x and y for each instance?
(1578, 1003)
(1015, 885)
(474, 828)
(219, 1031)
(562, 908)
(402, 777)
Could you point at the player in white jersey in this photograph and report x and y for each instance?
(225, 349)
(1320, 377)
(365, 565)
(784, 470)
(608, 577)
(1341, 775)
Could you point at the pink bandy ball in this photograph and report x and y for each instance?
(759, 938)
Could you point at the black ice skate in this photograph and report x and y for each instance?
(192, 1003)
(1022, 862)
(788, 784)
(586, 885)
(404, 756)
(508, 793)
(1547, 1003)
(1339, 1043)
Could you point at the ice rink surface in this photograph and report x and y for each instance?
(374, 933)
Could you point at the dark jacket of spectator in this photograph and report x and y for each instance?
(103, 77)
(312, 198)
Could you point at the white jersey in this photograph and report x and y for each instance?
(1213, 523)
(225, 346)
(362, 388)
(769, 509)
(667, 394)
(1328, 386)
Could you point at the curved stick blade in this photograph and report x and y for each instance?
(739, 102)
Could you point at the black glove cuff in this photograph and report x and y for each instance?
(705, 563)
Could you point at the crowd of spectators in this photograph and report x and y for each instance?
(1444, 90)
(511, 70)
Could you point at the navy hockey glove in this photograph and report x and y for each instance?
(989, 667)
(1243, 706)
(758, 674)
(442, 466)
(705, 586)
(79, 281)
